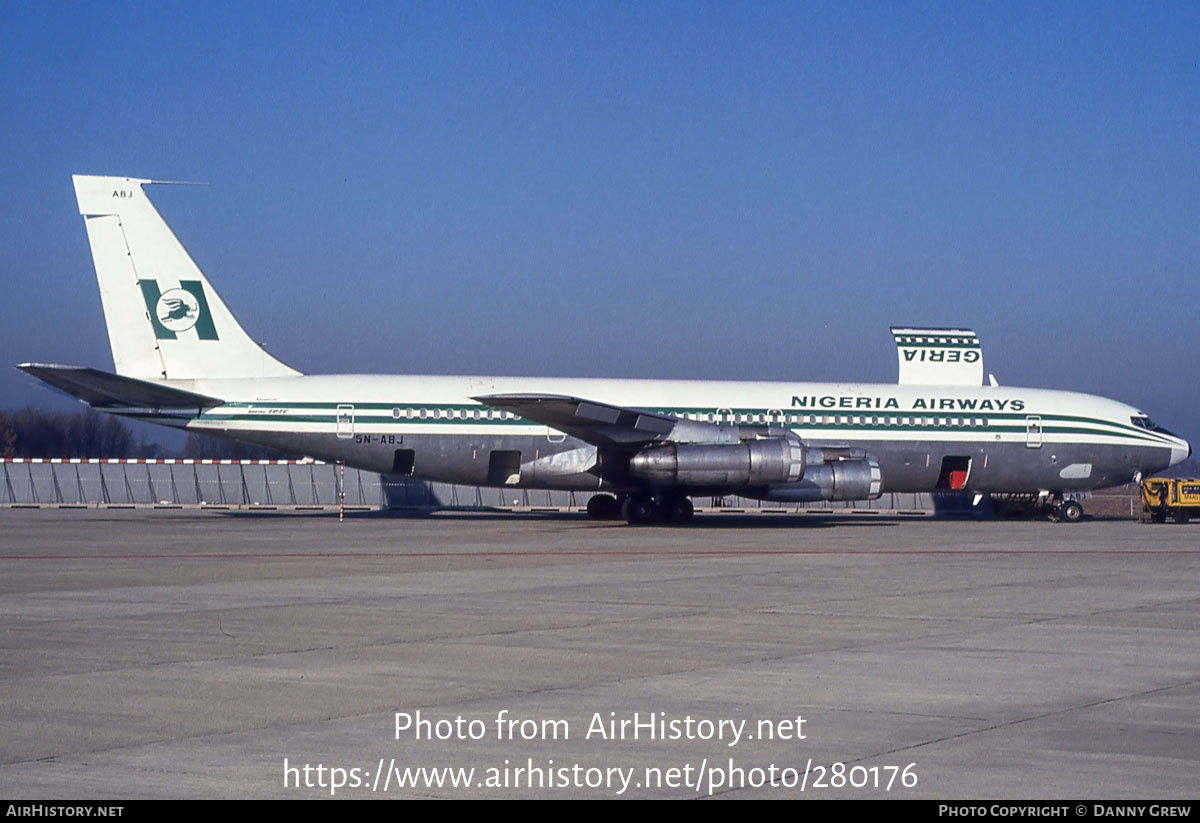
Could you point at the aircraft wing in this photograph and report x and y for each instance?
(605, 425)
(101, 388)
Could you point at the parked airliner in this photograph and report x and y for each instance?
(643, 447)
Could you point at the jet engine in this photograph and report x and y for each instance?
(833, 474)
(749, 463)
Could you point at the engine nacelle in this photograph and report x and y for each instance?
(749, 463)
(858, 478)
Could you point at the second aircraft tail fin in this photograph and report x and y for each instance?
(938, 357)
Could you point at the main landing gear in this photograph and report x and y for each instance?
(641, 509)
(603, 507)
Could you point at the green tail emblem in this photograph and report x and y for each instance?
(178, 310)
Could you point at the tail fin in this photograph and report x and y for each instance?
(938, 357)
(164, 319)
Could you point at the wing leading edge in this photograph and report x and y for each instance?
(602, 424)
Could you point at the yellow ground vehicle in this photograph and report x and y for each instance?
(1174, 497)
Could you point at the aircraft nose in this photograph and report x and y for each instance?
(1181, 452)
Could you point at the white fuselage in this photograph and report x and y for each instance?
(1016, 439)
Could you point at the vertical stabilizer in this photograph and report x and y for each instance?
(164, 318)
(938, 357)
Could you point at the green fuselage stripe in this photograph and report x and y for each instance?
(1050, 423)
(997, 422)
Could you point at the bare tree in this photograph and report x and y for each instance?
(206, 447)
(8, 437)
(87, 433)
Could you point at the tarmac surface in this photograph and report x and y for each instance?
(197, 654)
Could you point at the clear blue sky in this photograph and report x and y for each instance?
(691, 189)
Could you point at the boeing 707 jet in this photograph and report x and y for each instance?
(642, 447)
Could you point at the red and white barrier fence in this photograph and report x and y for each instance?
(161, 461)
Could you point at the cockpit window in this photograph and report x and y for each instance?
(1146, 423)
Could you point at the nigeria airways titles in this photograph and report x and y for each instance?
(829, 401)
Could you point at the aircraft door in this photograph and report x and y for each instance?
(345, 421)
(1033, 431)
(504, 467)
(956, 469)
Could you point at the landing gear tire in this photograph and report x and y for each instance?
(638, 510)
(1070, 511)
(677, 510)
(603, 507)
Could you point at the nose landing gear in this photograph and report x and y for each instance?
(1069, 511)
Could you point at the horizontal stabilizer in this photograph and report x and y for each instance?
(938, 357)
(101, 388)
